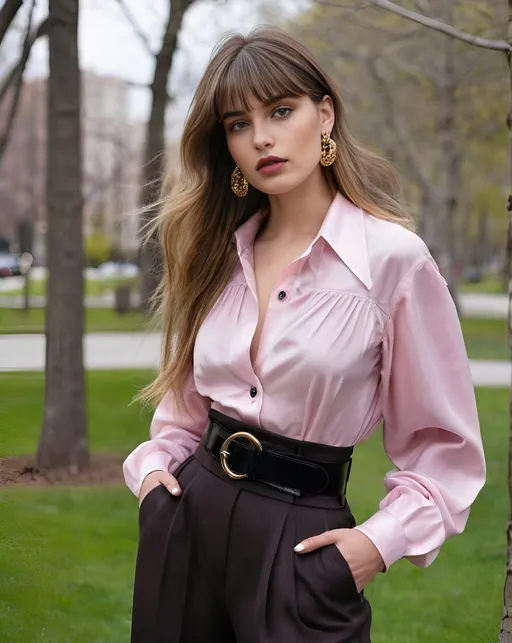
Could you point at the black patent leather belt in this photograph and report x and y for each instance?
(292, 466)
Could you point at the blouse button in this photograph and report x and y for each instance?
(282, 295)
(253, 391)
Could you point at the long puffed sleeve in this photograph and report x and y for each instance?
(431, 427)
(174, 436)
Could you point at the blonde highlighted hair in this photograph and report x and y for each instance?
(199, 215)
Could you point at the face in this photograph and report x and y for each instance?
(288, 129)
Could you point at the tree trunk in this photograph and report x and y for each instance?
(150, 255)
(63, 440)
(428, 225)
(506, 622)
(450, 164)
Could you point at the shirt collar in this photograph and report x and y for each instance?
(246, 233)
(342, 228)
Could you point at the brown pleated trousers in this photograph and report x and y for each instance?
(217, 565)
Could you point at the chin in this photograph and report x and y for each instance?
(278, 187)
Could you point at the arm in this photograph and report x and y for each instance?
(431, 428)
(174, 436)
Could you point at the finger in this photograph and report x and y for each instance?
(171, 484)
(310, 544)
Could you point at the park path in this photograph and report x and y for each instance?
(103, 351)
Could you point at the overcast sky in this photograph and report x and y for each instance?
(108, 44)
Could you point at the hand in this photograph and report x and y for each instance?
(153, 479)
(358, 550)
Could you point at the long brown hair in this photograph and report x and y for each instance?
(200, 214)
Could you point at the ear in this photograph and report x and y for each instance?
(326, 111)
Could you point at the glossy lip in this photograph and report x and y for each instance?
(268, 159)
(273, 168)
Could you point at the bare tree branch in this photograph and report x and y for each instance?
(339, 5)
(136, 27)
(19, 66)
(145, 41)
(499, 45)
(423, 6)
(7, 14)
(27, 46)
(406, 141)
(150, 258)
(348, 16)
(139, 85)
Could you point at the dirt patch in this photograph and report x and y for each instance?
(104, 468)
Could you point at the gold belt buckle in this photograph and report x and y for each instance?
(224, 453)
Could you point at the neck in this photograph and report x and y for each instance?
(299, 212)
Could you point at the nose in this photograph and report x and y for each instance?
(262, 137)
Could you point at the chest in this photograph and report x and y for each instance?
(288, 312)
(271, 261)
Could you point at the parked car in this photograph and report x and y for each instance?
(10, 265)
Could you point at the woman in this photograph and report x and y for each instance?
(299, 310)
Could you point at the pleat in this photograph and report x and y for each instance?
(281, 599)
(275, 571)
(230, 536)
(258, 523)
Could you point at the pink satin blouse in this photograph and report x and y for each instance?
(360, 327)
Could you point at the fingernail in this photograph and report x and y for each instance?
(175, 491)
(299, 547)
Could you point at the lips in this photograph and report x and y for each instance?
(269, 160)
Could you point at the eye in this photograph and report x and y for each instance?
(234, 126)
(283, 111)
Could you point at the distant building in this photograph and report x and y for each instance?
(112, 158)
(22, 175)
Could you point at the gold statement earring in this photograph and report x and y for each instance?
(328, 155)
(239, 183)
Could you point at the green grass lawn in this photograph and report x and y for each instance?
(67, 554)
(93, 287)
(485, 338)
(490, 284)
(96, 320)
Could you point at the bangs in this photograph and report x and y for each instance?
(256, 74)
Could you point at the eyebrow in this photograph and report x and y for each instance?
(267, 103)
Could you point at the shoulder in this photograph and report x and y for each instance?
(391, 242)
(394, 252)
(390, 245)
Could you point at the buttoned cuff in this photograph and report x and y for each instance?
(387, 534)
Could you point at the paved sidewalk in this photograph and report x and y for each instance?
(105, 351)
(101, 351)
(484, 305)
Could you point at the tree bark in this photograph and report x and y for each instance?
(63, 440)
(150, 255)
(450, 160)
(7, 14)
(506, 621)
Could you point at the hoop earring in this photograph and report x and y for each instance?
(328, 155)
(239, 183)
